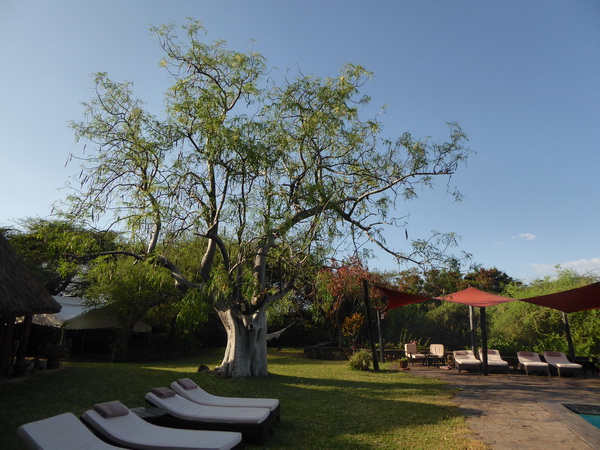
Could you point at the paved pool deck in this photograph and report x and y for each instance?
(506, 411)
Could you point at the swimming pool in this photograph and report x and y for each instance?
(591, 413)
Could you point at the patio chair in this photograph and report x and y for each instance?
(531, 362)
(413, 354)
(494, 360)
(437, 353)
(465, 360)
(117, 424)
(255, 424)
(561, 364)
(190, 390)
(64, 431)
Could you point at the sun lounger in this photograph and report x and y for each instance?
(61, 432)
(255, 424)
(190, 390)
(560, 362)
(494, 360)
(465, 360)
(116, 423)
(531, 362)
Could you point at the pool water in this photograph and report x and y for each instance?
(594, 419)
(591, 413)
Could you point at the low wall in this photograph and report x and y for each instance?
(324, 352)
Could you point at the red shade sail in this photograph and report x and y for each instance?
(573, 300)
(474, 297)
(396, 299)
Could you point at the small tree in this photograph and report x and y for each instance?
(352, 326)
(128, 291)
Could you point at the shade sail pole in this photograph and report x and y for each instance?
(381, 347)
(568, 333)
(484, 344)
(472, 322)
(370, 325)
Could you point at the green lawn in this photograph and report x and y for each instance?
(325, 405)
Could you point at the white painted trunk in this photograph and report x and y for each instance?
(246, 351)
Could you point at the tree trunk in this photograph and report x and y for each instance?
(246, 351)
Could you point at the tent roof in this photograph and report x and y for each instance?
(474, 297)
(21, 292)
(573, 300)
(76, 315)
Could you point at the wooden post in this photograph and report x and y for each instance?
(472, 323)
(22, 352)
(6, 345)
(370, 325)
(568, 333)
(484, 346)
(381, 348)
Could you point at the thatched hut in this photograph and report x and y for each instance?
(21, 295)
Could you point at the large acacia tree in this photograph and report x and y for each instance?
(267, 172)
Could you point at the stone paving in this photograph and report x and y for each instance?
(514, 410)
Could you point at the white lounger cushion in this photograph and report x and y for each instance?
(559, 359)
(62, 432)
(199, 395)
(134, 432)
(183, 408)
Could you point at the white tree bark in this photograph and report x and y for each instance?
(246, 351)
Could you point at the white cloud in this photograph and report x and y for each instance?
(526, 236)
(582, 266)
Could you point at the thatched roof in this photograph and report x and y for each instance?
(21, 292)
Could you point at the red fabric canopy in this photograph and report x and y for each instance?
(474, 297)
(573, 300)
(396, 299)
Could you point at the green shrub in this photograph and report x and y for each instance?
(361, 360)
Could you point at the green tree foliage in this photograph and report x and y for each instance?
(272, 174)
(51, 247)
(436, 320)
(518, 326)
(128, 291)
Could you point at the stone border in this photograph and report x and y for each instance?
(581, 427)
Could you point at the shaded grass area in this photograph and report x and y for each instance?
(324, 403)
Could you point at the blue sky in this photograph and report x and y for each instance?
(521, 78)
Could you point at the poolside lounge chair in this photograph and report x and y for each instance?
(561, 364)
(437, 352)
(116, 423)
(413, 354)
(190, 390)
(64, 431)
(494, 360)
(531, 362)
(255, 424)
(465, 360)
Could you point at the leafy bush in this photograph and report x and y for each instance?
(361, 360)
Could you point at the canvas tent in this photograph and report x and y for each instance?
(21, 294)
(76, 315)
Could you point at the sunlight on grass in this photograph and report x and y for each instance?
(324, 403)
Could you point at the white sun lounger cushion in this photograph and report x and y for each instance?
(191, 391)
(61, 432)
(133, 432)
(183, 408)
